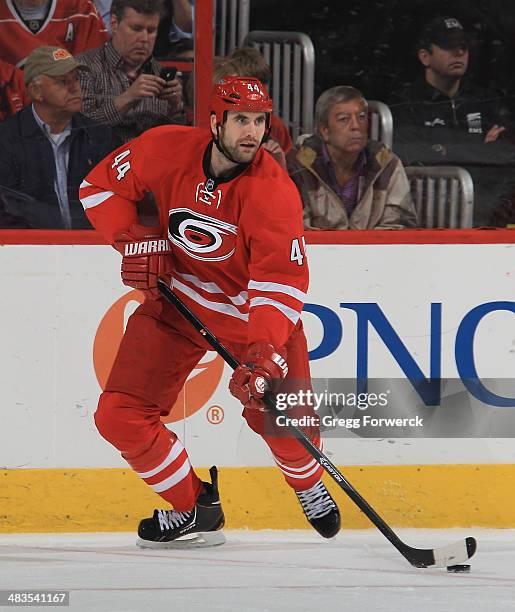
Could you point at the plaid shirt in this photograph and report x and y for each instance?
(106, 81)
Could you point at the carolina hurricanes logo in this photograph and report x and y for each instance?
(201, 237)
(260, 385)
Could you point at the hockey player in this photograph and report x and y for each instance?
(234, 221)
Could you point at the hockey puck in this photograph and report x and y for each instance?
(458, 568)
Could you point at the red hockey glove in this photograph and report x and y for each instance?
(146, 257)
(263, 370)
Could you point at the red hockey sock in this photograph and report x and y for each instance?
(153, 451)
(300, 470)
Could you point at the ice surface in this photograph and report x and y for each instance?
(262, 571)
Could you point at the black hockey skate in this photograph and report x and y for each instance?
(320, 509)
(173, 529)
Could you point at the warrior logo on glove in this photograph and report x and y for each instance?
(145, 258)
(146, 247)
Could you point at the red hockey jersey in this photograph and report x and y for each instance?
(13, 95)
(239, 258)
(72, 24)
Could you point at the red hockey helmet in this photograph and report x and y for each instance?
(245, 94)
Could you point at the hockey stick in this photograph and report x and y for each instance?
(452, 554)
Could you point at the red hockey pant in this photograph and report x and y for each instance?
(156, 355)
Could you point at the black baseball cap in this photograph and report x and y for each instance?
(446, 32)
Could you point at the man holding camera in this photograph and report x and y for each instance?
(126, 88)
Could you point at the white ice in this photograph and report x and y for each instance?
(290, 571)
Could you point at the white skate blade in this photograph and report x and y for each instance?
(192, 540)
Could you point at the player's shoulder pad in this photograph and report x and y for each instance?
(270, 188)
(172, 141)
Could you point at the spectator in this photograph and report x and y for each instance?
(123, 88)
(251, 62)
(441, 97)
(48, 147)
(444, 118)
(27, 24)
(175, 33)
(13, 95)
(346, 182)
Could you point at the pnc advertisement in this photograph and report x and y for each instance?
(428, 330)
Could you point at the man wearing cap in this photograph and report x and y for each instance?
(49, 146)
(444, 118)
(442, 97)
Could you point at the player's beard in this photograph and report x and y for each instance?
(235, 152)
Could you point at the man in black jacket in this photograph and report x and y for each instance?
(48, 147)
(442, 97)
(445, 119)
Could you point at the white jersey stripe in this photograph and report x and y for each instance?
(95, 199)
(237, 300)
(226, 309)
(175, 451)
(278, 288)
(80, 15)
(301, 476)
(299, 469)
(174, 479)
(289, 313)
